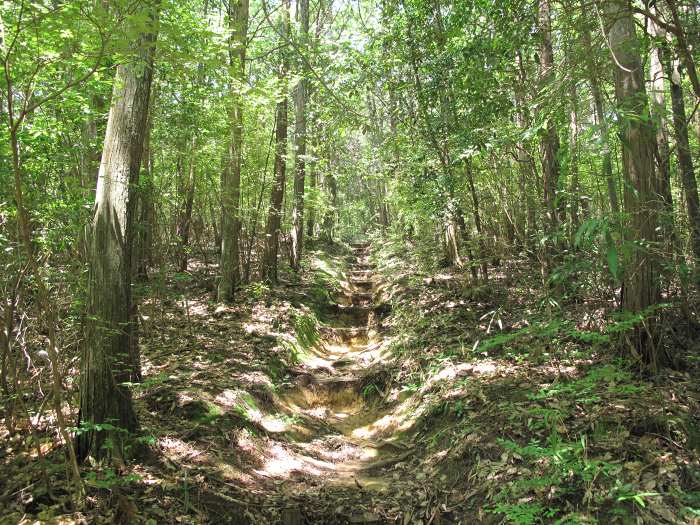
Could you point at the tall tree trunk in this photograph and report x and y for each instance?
(685, 161)
(658, 111)
(549, 144)
(468, 243)
(574, 188)
(451, 242)
(641, 271)
(311, 215)
(274, 217)
(143, 243)
(229, 265)
(477, 221)
(109, 359)
(526, 164)
(297, 234)
(329, 217)
(185, 219)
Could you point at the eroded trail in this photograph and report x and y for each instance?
(343, 432)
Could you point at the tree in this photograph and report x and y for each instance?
(549, 142)
(274, 216)
(685, 160)
(641, 274)
(231, 177)
(110, 357)
(658, 112)
(300, 97)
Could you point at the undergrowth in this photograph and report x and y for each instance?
(532, 411)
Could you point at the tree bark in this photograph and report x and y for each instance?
(640, 280)
(329, 217)
(526, 164)
(274, 217)
(185, 219)
(477, 221)
(658, 112)
(574, 188)
(451, 243)
(549, 144)
(297, 233)
(109, 359)
(685, 161)
(229, 264)
(143, 247)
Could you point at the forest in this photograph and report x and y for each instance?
(297, 262)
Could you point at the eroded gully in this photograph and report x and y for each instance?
(345, 438)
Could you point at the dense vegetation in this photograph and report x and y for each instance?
(445, 250)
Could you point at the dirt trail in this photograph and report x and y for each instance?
(344, 429)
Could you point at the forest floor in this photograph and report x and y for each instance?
(374, 389)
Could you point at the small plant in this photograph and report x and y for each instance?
(258, 289)
(108, 478)
(637, 497)
(521, 513)
(368, 390)
(306, 330)
(564, 468)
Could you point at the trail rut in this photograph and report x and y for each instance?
(329, 396)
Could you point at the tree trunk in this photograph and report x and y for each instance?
(229, 264)
(329, 217)
(311, 216)
(685, 161)
(274, 217)
(450, 241)
(477, 222)
(468, 243)
(185, 220)
(641, 271)
(523, 157)
(297, 233)
(109, 359)
(658, 112)
(143, 243)
(549, 144)
(574, 189)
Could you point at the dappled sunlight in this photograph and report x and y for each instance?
(179, 450)
(199, 309)
(280, 462)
